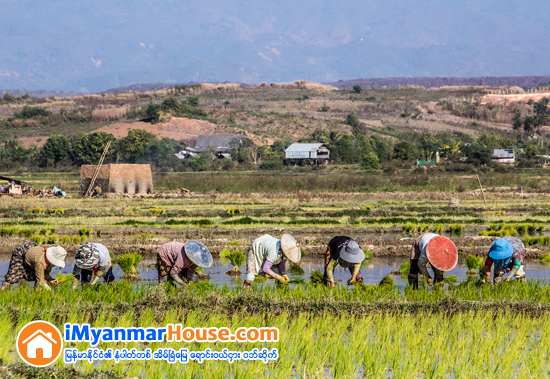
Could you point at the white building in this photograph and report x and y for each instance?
(311, 152)
(507, 156)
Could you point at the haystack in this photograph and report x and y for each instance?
(118, 178)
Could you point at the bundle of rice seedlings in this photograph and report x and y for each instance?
(473, 262)
(296, 269)
(297, 281)
(386, 282)
(405, 268)
(67, 278)
(545, 259)
(236, 258)
(316, 277)
(449, 280)
(129, 263)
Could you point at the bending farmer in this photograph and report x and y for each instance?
(34, 264)
(345, 252)
(92, 259)
(267, 251)
(176, 260)
(506, 254)
(440, 252)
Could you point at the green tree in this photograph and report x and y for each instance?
(134, 146)
(9, 98)
(478, 155)
(153, 113)
(56, 149)
(541, 114)
(357, 88)
(403, 151)
(89, 147)
(370, 162)
(170, 105)
(30, 112)
(531, 152)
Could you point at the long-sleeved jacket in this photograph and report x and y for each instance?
(36, 259)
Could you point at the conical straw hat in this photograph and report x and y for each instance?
(290, 248)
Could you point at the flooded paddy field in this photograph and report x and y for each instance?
(372, 270)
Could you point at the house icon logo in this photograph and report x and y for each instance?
(39, 343)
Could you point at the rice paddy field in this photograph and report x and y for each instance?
(381, 329)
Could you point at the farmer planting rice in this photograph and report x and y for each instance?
(34, 263)
(267, 251)
(92, 259)
(176, 260)
(440, 252)
(343, 251)
(506, 254)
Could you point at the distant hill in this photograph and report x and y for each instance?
(39, 94)
(490, 81)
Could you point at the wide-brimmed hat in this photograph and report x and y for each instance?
(501, 249)
(442, 253)
(56, 256)
(352, 253)
(290, 248)
(198, 253)
(87, 256)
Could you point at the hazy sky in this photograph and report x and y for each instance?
(99, 44)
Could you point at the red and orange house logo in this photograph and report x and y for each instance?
(39, 343)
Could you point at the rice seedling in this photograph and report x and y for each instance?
(98, 233)
(156, 211)
(473, 263)
(129, 263)
(456, 229)
(38, 239)
(85, 232)
(52, 239)
(64, 278)
(237, 258)
(297, 281)
(54, 211)
(387, 282)
(545, 259)
(451, 279)
(404, 269)
(409, 228)
(77, 239)
(493, 227)
(316, 277)
(296, 269)
(541, 228)
(37, 210)
(439, 229)
(531, 229)
(522, 229)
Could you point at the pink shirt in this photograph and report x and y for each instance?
(173, 256)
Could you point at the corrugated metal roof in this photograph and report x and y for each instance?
(215, 141)
(304, 147)
(504, 153)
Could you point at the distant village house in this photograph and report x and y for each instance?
(312, 153)
(504, 156)
(221, 145)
